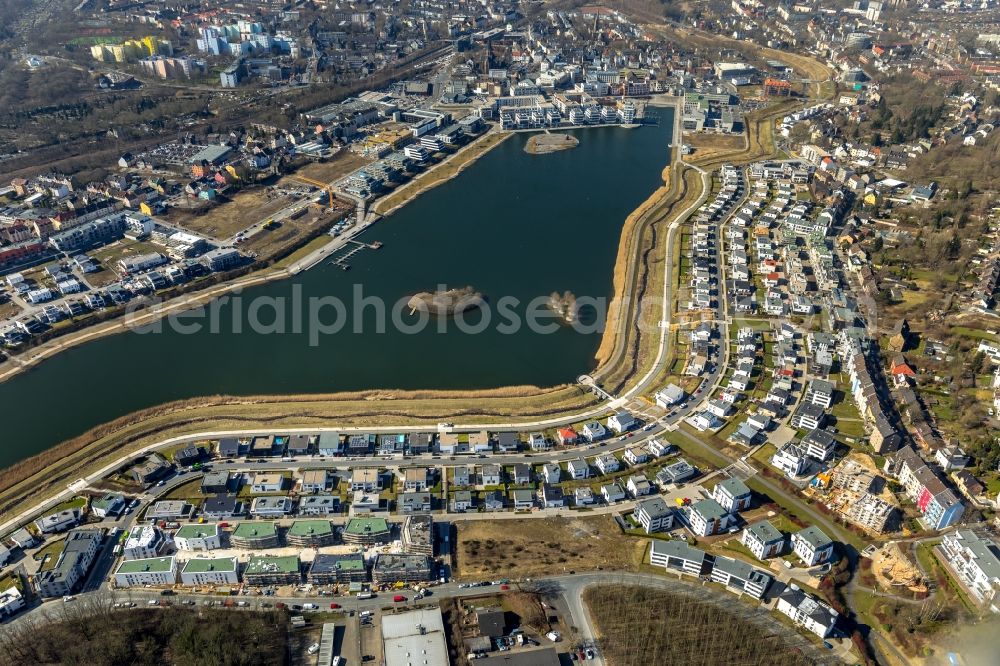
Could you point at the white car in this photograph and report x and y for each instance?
(313, 649)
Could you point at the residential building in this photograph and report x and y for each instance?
(319, 505)
(11, 601)
(679, 556)
(732, 495)
(740, 576)
(315, 481)
(790, 459)
(221, 507)
(367, 531)
(820, 392)
(807, 611)
(415, 480)
(271, 506)
(669, 396)
(109, 504)
(583, 496)
(143, 542)
(169, 510)
(538, 442)
(594, 431)
(636, 456)
(621, 422)
(150, 571)
(940, 505)
(552, 496)
(72, 565)
(675, 472)
(523, 499)
(764, 540)
(522, 474)
(215, 483)
(310, 534)
(265, 570)
(416, 502)
(366, 479)
(461, 501)
(613, 492)
(269, 482)
(578, 469)
(254, 536)
(812, 546)
(819, 444)
(654, 515)
(490, 475)
(402, 568)
(974, 559)
(551, 472)
(340, 568)
(638, 486)
(607, 463)
(205, 536)
(462, 476)
(60, 521)
(211, 571)
(707, 517)
(417, 534)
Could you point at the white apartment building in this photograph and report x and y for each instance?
(812, 546)
(143, 543)
(807, 611)
(214, 571)
(198, 537)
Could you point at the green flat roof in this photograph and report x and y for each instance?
(197, 531)
(310, 527)
(207, 565)
(154, 564)
(272, 564)
(366, 526)
(255, 530)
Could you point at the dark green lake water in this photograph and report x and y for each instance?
(512, 226)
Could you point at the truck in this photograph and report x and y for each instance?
(367, 594)
(310, 607)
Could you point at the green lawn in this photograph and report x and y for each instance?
(74, 503)
(53, 550)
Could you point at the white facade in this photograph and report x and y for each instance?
(198, 537)
(807, 611)
(152, 571)
(143, 543)
(216, 571)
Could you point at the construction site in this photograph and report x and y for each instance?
(894, 571)
(857, 491)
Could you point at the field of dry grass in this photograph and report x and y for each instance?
(640, 625)
(230, 215)
(545, 546)
(338, 166)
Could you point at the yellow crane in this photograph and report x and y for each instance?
(323, 186)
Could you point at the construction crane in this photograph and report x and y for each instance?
(323, 186)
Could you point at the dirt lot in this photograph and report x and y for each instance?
(288, 232)
(708, 144)
(229, 216)
(543, 546)
(333, 169)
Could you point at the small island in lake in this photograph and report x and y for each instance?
(563, 305)
(446, 302)
(550, 142)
